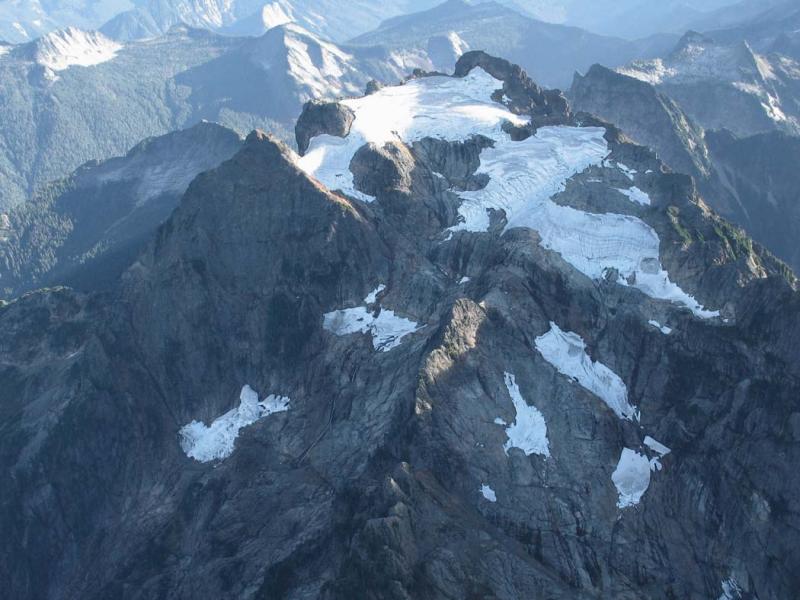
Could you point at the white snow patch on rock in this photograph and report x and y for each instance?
(656, 446)
(69, 47)
(631, 477)
(386, 328)
(528, 432)
(662, 328)
(488, 493)
(216, 441)
(373, 295)
(566, 351)
(636, 195)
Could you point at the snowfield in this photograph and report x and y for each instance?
(528, 432)
(523, 175)
(631, 477)
(566, 351)
(205, 443)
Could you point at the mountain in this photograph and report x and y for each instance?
(25, 20)
(468, 345)
(766, 26)
(727, 85)
(551, 53)
(73, 96)
(329, 19)
(749, 180)
(85, 230)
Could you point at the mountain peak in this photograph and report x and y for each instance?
(62, 49)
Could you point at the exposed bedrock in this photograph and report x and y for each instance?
(318, 117)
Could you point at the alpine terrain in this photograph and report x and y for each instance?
(466, 342)
(73, 96)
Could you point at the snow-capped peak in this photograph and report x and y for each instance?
(277, 13)
(69, 47)
(316, 65)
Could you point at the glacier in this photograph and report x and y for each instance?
(524, 175)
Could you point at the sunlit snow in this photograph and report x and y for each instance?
(205, 443)
(528, 432)
(566, 351)
(60, 50)
(386, 328)
(523, 175)
(631, 477)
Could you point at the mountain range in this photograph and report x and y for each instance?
(73, 96)
(468, 343)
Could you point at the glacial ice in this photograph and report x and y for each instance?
(205, 443)
(631, 477)
(528, 432)
(524, 175)
(566, 351)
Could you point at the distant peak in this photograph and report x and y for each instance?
(59, 50)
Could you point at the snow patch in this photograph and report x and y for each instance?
(528, 432)
(488, 493)
(566, 351)
(662, 328)
(373, 295)
(275, 14)
(636, 195)
(216, 441)
(523, 175)
(386, 328)
(631, 477)
(658, 448)
(69, 47)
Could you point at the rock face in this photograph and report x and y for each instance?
(646, 115)
(434, 443)
(86, 230)
(318, 117)
(749, 179)
(727, 85)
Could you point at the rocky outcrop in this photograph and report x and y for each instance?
(331, 118)
(647, 116)
(546, 107)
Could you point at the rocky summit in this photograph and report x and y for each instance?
(471, 344)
